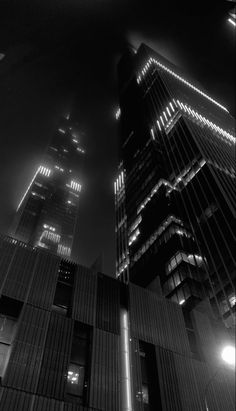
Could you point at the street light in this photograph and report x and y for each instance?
(228, 355)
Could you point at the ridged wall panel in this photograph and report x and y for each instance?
(156, 320)
(27, 350)
(19, 275)
(197, 382)
(168, 380)
(104, 389)
(108, 304)
(7, 250)
(13, 400)
(84, 301)
(55, 361)
(44, 283)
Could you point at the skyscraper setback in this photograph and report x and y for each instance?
(175, 191)
(47, 214)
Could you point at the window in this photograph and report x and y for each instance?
(64, 289)
(150, 391)
(194, 346)
(77, 374)
(9, 312)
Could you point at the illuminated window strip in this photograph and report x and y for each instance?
(180, 256)
(50, 236)
(153, 61)
(154, 190)
(163, 226)
(119, 183)
(63, 250)
(193, 114)
(135, 224)
(231, 21)
(118, 113)
(29, 186)
(134, 236)
(44, 171)
(75, 186)
(81, 150)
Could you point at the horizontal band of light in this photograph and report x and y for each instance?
(206, 122)
(232, 22)
(63, 250)
(49, 235)
(167, 118)
(81, 150)
(134, 236)
(61, 131)
(162, 66)
(59, 168)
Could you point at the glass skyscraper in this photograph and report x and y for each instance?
(47, 214)
(175, 191)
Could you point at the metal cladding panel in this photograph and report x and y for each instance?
(19, 274)
(14, 400)
(104, 384)
(75, 407)
(47, 404)
(206, 336)
(84, 301)
(156, 320)
(198, 382)
(44, 283)
(27, 350)
(7, 250)
(55, 361)
(168, 380)
(108, 304)
(136, 375)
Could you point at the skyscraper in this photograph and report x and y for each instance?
(48, 211)
(175, 193)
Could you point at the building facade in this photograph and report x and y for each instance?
(72, 339)
(175, 191)
(47, 214)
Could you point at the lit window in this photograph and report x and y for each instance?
(75, 380)
(145, 395)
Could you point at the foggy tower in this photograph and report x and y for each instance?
(47, 214)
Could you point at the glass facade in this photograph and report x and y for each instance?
(175, 194)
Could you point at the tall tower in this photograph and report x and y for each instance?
(47, 214)
(175, 191)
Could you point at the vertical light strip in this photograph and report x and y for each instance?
(126, 397)
(27, 189)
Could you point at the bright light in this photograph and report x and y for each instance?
(228, 355)
(232, 22)
(181, 302)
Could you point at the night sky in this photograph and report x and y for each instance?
(61, 54)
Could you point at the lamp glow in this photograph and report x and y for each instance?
(228, 355)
